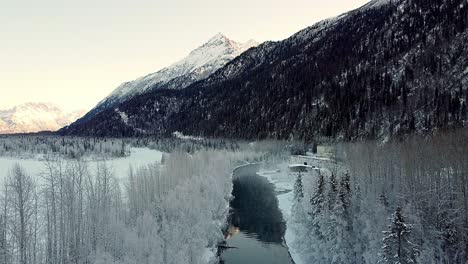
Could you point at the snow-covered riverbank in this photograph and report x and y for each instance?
(283, 178)
(284, 185)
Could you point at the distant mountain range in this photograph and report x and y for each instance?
(199, 64)
(35, 117)
(388, 68)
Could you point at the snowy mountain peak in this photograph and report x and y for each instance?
(198, 65)
(50, 107)
(214, 54)
(35, 117)
(218, 37)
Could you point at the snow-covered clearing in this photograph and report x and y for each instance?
(120, 166)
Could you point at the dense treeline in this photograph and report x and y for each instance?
(374, 72)
(398, 202)
(71, 147)
(77, 147)
(161, 213)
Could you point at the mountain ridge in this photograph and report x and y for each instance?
(387, 68)
(35, 117)
(198, 64)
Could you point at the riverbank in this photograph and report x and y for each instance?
(283, 176)
(284, 185)
(255, 226)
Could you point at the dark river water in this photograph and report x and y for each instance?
(256, 227)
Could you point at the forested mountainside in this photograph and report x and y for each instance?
(387, 68)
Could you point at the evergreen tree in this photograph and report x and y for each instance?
(333, 191)
(298, 188)
(339, 233)
(383, 199)
(345, 192)
(317, 206)
(298, 207)
(397, 248)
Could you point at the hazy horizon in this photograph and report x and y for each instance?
(75, 54)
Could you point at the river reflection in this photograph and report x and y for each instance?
(256, 224)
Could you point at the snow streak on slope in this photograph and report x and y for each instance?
(199, 64)
(35, 117)
(124, 118)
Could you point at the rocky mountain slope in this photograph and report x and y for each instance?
(35, 117)
(388, 68)
(199, 64)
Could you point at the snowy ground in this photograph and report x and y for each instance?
(284, 181)
(280, 176)
(31, 165)
(35, 166)
(284, 185)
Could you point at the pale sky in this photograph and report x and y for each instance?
(74, 53)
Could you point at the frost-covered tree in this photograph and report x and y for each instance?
(22, 209)
(397, 247)
(339, 227)
(344, 194)
(3, 241)
(298, 202)
(384, 199)
(317, 206)
(298, 188)
(333, 191)
(313, 240)
(4, 249)
(428, 175)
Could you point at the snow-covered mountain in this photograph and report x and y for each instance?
(199, 64)
(35, 117)
(389, 68)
